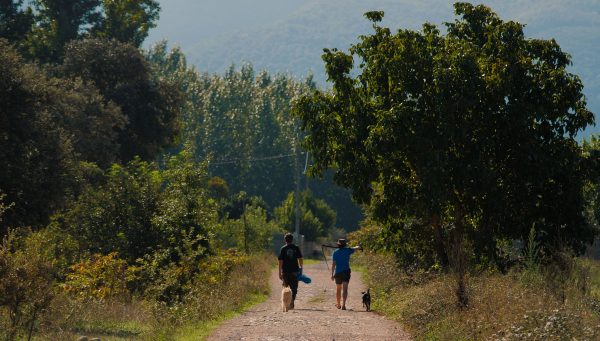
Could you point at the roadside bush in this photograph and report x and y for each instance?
(225, 282)
(26, 285)
(99, 278)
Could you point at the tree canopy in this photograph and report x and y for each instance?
(471, 132)
(42, 28)
(120, 72)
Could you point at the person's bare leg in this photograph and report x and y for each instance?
(345, 293)
(338, 295)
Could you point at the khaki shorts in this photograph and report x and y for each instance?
(343, 276)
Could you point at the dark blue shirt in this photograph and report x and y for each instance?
(341, 257)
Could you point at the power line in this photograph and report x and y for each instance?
(264, 158)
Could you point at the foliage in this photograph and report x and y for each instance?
(117, 216)
(242, 117)
(218, 187)
(235, 205)
(127, 21)
(45, 27)
(15, 21)
(172, 65)
(502, 307)
(26, 285)
(121, 74)
(92, 124)
(3, 206)
(591, 191)
(471, 133)
(185, 211)
(402, 239)
(316, 217)
(35, 151)
(224, 283)
(241, 123)
(138, 210)
(57, 23)
(98, 278)
(252, 231)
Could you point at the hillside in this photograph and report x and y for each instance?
(285, 36)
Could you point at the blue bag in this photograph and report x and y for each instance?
(303, 278)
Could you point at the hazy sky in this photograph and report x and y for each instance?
(188, 22)
(288, 35)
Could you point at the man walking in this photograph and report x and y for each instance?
(290, 265)
(340, 271)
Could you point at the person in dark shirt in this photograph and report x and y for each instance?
(340, 271)
(290, 265)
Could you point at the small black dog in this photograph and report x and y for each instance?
(366, 298)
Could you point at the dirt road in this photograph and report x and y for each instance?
(315, 316)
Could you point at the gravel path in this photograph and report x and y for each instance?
(315, 316)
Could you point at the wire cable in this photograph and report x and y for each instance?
(264, 158)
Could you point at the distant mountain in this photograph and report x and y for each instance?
(289, 36)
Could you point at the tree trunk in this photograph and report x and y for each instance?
(459, 262)
(440, 248)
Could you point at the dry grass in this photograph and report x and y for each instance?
(209, 303)
(68, 319)
(518, 306)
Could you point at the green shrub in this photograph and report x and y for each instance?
(252, 232)
(99, 278)
(26, 285)
(224, 283)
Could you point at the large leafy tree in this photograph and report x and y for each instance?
(35, 151)
(471, 132)
(119, 71)
(48, 125)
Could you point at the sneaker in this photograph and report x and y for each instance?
(292, 305)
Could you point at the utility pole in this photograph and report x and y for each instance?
(245, 231)
(297, 193)
(305, 171)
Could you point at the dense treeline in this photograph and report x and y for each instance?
(240, 123)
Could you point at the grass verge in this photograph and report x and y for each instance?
(203, 329)
(522, 305)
